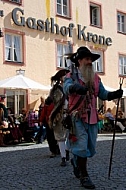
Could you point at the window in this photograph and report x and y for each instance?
(121, 18)
(122, 104)
(15, 1)
(99, 104)
(63, 8)
(95, 18)
(62, 49)
(98, 64)
(13, 48)
(16, 100)
(122, 65)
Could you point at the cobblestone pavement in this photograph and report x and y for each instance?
(28, 167)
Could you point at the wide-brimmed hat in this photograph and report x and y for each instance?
(83, 52)
(59, 74)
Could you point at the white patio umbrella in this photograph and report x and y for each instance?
(109, 88)
(124, 92)
(22, 82)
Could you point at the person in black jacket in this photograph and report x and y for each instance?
(2, 105)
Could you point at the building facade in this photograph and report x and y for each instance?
(35, 36)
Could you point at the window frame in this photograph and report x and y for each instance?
(100, 60)
(13, 33)
(68, 15)
(121, 27)
(13, 1)
(99, 15)
(62, 56)
(18, 103)
(123, 66)
(122, 104)
(99, 103)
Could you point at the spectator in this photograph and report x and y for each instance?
(100, 122)
(2, 105)
(120, 114)
(23, 122)
(109, 115)
(41, 136)
(15, 132)
(3, 120)
(33, 126)
(41, 106)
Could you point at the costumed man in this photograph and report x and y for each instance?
(57, 114)
(44, 120)
(86, 85)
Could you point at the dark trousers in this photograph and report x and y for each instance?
(41, 135)
(23, 127)
(51, 140)
(16, 133)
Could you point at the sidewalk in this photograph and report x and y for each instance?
(28, 167)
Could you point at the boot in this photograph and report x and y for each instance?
(87, 183)
(63, 162)
(84, 177)
(67, 155)
(53, 155)
(76, 170)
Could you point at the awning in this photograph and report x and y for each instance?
(21, 82)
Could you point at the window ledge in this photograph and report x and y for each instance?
(64, 17)
(100, 73)
(61, 67)
(120, 75)
(9, 1)
(97, 26)
(119, 32)
(13, 63)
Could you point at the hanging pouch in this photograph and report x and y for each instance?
(67, 122)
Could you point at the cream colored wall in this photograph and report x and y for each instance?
(41, 46)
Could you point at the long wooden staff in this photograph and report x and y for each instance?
(113, 141)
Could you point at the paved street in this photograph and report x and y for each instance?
(28, 167)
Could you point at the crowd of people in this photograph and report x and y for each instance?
(69, 114)
(23, 128)
(107, 121)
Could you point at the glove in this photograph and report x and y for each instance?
(79, 89)
(114, 95)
